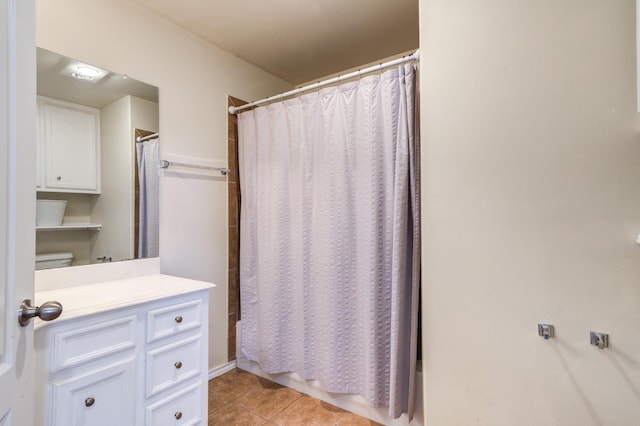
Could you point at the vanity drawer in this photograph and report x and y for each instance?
(182, 408)
(174, 319)
(93, 341)
(173, 364)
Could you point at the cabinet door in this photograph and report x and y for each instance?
(104, 397)
(71, 147)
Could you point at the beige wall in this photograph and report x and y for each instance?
(531, 196)
(194, 80)
(114, 208)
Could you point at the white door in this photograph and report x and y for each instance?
(17, 207)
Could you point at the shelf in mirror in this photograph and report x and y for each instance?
(71, 227)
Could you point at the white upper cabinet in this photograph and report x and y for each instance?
(68, 147)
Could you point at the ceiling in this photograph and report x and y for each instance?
(299, 40)
(53, 81)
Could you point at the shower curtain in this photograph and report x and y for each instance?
(147, 153)
(329, 246)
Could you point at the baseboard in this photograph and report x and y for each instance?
(221, 369)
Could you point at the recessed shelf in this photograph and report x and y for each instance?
(71, 227)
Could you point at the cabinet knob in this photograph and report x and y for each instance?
(59, 178)
(178, 415)
(89, 401)
(178, 319)
(178, 365)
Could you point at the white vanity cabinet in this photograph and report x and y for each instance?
(68, 147)
(92, 370)
(104, 396)
(140, 364)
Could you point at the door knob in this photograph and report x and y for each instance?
(46, 312)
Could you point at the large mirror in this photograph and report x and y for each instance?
(97, 156)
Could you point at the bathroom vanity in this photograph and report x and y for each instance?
(126, 352)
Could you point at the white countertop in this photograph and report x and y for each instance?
(104, 296)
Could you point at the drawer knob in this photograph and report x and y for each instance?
(178, 319)
(59, 178)
(89, 401)
(178, 415)
(178, 365)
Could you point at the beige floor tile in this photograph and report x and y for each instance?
(216, 398)
(268, 399)
(231, 385)
(240, 398)
(233, 415)
(308, 411)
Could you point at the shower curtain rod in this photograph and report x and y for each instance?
(408, 58)
(146, 138)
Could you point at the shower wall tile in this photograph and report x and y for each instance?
(234, 247)
(233, 204)
(231, 349)
(233, 200)
(234, 280)
(232, 161)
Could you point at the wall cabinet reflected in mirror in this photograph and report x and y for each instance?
(68, 147)
(87, 157)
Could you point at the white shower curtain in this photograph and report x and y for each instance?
(147, 153)
(329, 246)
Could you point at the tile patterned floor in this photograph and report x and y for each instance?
(240, 398)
